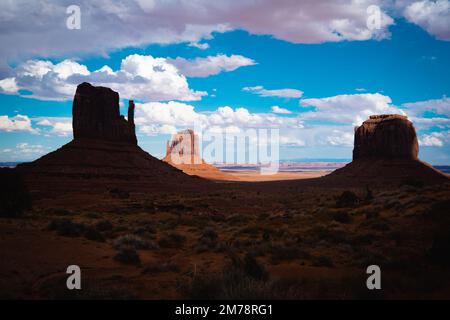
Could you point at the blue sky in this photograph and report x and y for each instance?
(332, 85)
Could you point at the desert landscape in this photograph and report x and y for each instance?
(142, 228)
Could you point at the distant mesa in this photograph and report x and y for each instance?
(386, 152)
(183, 149)
(183, 152)
(104, 147)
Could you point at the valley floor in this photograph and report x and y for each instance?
(283, 240)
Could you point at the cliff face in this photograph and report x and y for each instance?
(386, 137)
(96, 115)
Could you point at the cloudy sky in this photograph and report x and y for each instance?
(313, 69)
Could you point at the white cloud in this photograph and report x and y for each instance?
(435, 139)
(23, 152)
(8, 85)
(36, 28)
(16, 124)
(277, 109)
(282, 93)
(340, 138)
(158, 117)
(140, 77)
(211, 65)
(348, 108)
(437, 106)
(290, 141)
(198, 45)
(433, 16)
(59, 126)
(31, 148)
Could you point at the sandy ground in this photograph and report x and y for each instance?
(255, 176)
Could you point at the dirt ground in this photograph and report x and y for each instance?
(283, 240)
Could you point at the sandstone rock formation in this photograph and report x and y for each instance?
(104, 149)
(183, 152)
(385, 152)
(96, 115)
(386, 137)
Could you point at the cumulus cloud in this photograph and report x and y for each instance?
(433, 16)
(435, 139)
(37, 28)
(348, 108)
(16, 124)
(211, 65)
(277, 109)
(59, 126)
(139, 77)
(281, 93)
(436, 106)
(153, 116)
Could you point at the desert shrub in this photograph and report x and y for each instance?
(342, 217)
(67, 228)
(14, 196)
(372, 214)
(285, 253)
(239, 279)
(253, 268)
(119, 193)
(134, 241)
(128, 255)
(172, 240)
(160, 267)
(93, 234)
(363, 239)
(323, 261)
(61, 212)
(412, 182)
(208, 238)
(380, 226)
(93, 215)
(346, 199)
(104, 225)
(369, 194)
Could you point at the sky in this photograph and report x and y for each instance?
(312, 69)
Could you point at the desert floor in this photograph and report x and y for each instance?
(284, 240)
(255, 176)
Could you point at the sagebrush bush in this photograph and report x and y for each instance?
(172, 240)
(128, 255)
(67, 228)
(134, 241)
(347, 199)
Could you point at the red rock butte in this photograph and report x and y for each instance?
(386, 136)
(183, 152)
(386, 152)
(104, 149)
